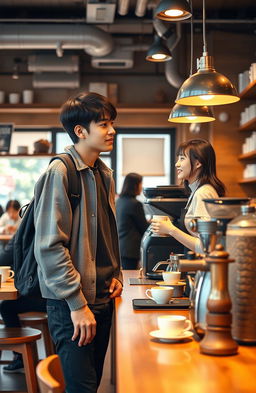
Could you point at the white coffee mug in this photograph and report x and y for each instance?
(6, 273)
(14, 98)
(2, 96)
(173, 324)
(161, 295)
(27, 96)
(171, 277)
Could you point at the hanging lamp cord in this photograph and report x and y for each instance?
(204, 36)
(191, 40)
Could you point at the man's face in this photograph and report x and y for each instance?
(101, 135)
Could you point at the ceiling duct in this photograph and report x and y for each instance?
(141, 7)
(94, 41)
(57, 80)
(100, 12)
(123, 7)
(118, 59)
(48, 63)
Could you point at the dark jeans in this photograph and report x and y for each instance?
(10, 309)
(129, 263)
(82, 366)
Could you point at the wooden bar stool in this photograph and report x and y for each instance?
(50, 375)
(39, 320)
(23, 340)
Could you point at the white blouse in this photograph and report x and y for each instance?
(197, 206)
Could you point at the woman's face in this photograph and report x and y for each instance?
(184, 170)
(183, 167)
(13, 214)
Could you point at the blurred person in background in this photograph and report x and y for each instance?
(10, 220)
(131, 221)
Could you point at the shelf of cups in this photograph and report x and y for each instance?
(250, 180)
(248, 156)
(249, 125)
(249, 91)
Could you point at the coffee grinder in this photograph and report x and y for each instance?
(210, 232)
(161, 200)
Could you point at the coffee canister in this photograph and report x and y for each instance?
(241, 245)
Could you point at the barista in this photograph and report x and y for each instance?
(196, 169)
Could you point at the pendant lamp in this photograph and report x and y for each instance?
(206, 86)
(173, 10)
(191, 114)
(158, 51)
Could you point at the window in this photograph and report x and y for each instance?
(149, 154)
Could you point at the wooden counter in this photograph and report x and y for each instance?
(144, 365)
(8, 291)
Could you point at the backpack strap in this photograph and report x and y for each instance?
(74, 181)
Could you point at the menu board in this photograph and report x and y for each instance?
(5, 137)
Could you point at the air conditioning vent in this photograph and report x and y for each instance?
(117, 59)
(100, 12)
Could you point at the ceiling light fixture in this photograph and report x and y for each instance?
(15, 74)
(173, 10)
(158, 51)
(191, 114)
(206, 85)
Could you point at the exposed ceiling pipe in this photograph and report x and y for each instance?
(123, 7)
(51, 63)
(57, 80)
(141, 7)
(91, 39)
(171, 67)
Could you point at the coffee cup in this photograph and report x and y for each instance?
(171, 278)
(173, 325)
(14, 98)
(6, 273)
(27, 96)
(157, 217)
(161, 295)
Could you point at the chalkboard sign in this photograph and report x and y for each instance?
(5, 137)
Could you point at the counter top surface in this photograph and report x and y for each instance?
(146, 365)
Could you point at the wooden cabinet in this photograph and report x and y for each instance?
(249, 158)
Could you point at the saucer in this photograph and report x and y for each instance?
(164, 284)
(167, 338)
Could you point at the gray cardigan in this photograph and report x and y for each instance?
(69, 273)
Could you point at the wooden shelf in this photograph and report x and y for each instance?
(248, 156)
(38, 108)
(249, 125)
(249, 91)
(250, 180)
(2, 155)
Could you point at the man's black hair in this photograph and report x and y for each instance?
(84, 109)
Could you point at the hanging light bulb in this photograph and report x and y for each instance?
(173, 10)
(158, 51)
(206, 86)
(191, 114)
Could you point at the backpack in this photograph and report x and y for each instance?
(24, 262)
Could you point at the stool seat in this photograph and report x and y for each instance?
(18, 335)
(23, 340)
(38, 320)
(33, 316)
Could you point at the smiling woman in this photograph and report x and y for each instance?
(196, 168)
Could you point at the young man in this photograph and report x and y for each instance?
(78, 254)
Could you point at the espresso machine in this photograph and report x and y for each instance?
(161, 200)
